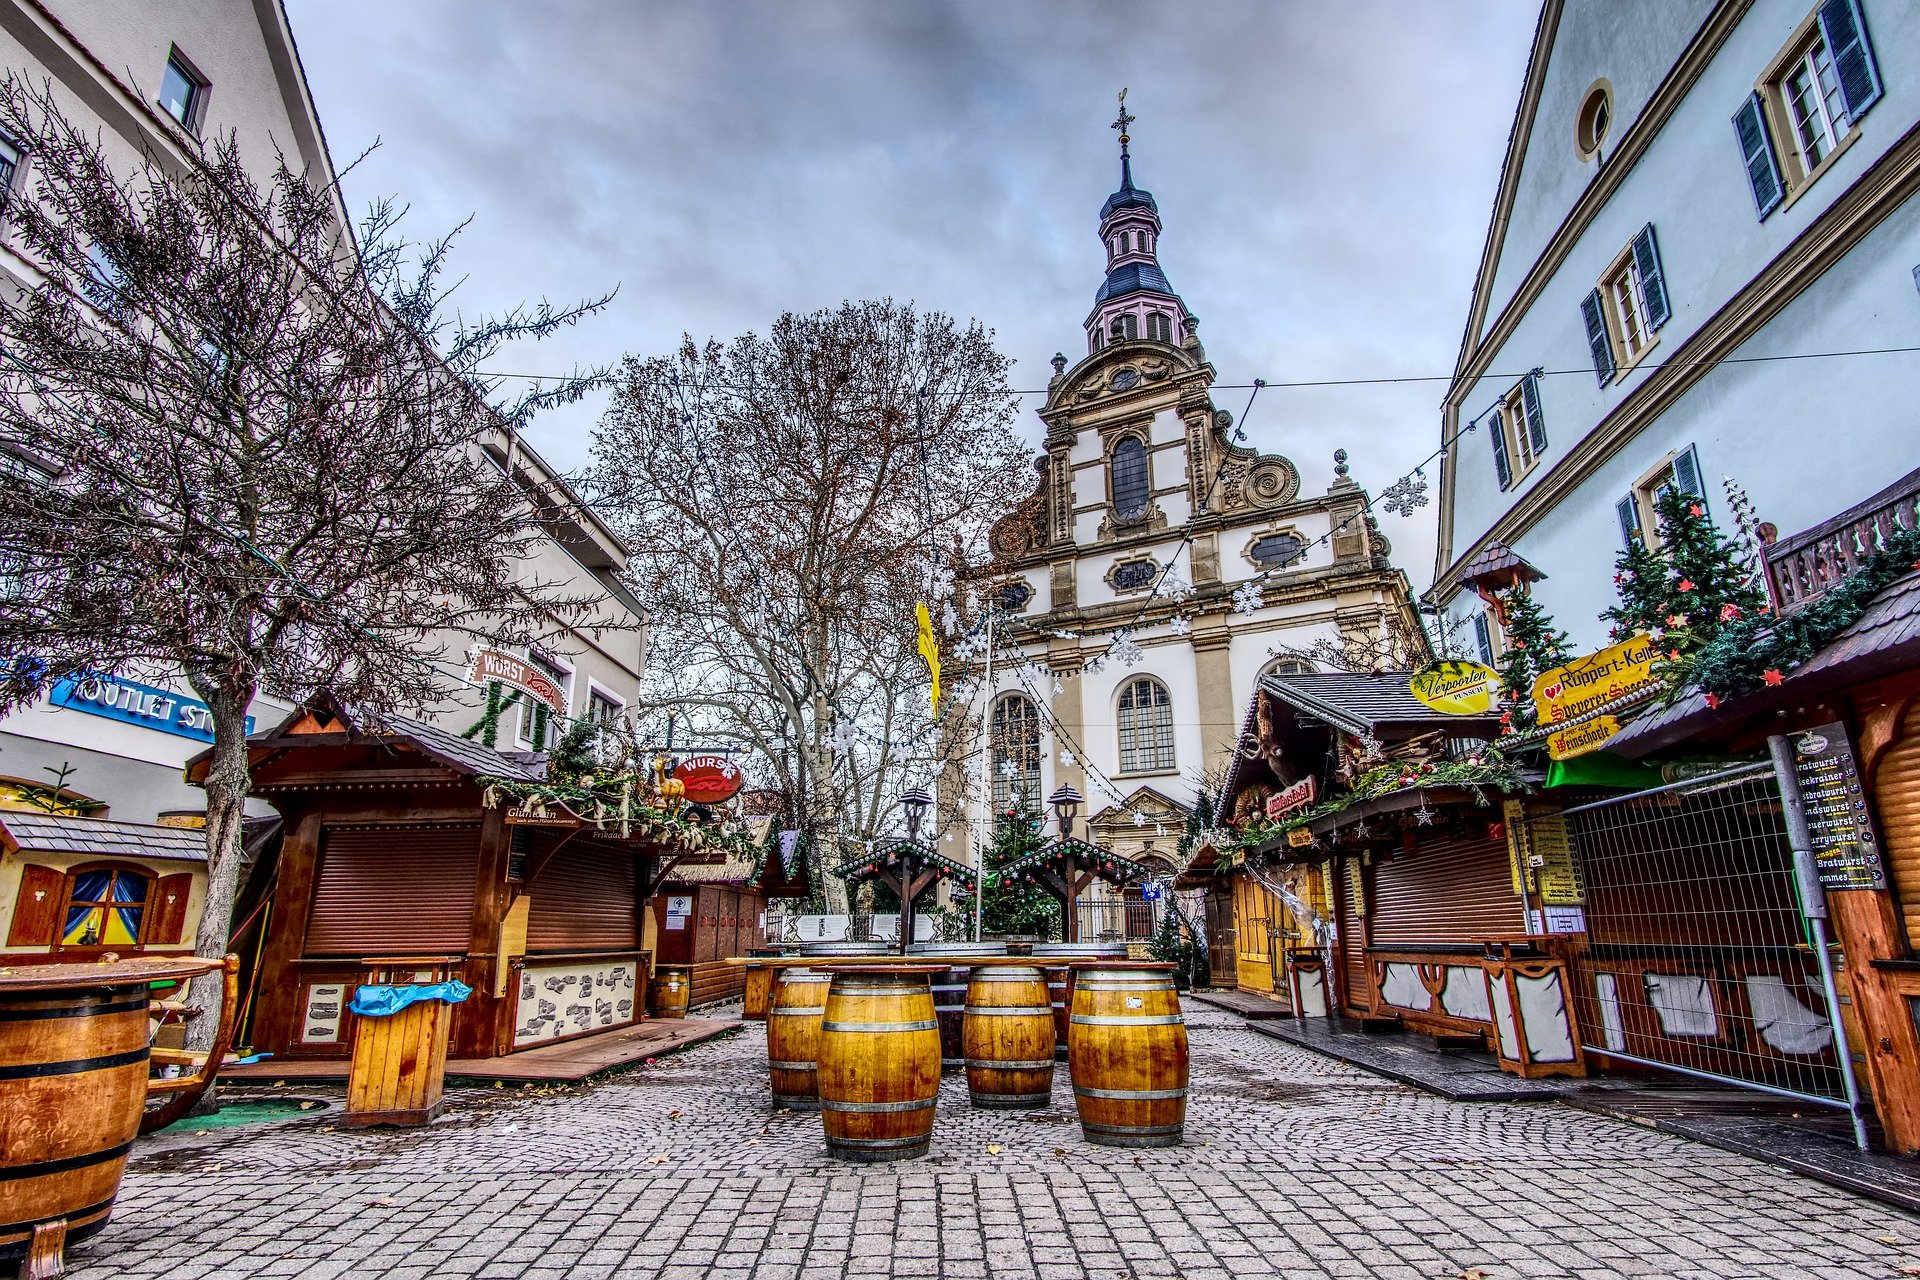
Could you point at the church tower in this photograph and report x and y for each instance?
(1141, 590)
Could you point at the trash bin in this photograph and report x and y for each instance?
(400, 1050)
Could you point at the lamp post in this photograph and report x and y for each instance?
(1066, 803)
(914, 804)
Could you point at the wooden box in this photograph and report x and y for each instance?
(399, 1066)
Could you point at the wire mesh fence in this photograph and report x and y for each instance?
(1697, 955)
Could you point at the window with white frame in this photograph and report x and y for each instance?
(1807, 104)
(1627, 307)
(1146, 726)
(1518, 431)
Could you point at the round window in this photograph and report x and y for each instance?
(1135, 574)
(1126, 380)
(1276, 550)
(1596, 116)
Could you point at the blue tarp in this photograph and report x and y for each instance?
(384, 1002)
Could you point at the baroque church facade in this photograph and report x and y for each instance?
(1142, 589)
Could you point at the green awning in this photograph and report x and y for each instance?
(1602, 769)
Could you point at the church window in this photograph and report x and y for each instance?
(1015, 740)
(1125, 328)
(1135, 575)
(1158, 327)
(1099, 338)
(1128, 474)
(1276, 550)
(1014, 596)
(1288, 667)
(1146, 727)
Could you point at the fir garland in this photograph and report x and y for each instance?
(609, 800)
(1757, 651)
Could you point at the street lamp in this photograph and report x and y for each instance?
(1066, 803)
(915, 804)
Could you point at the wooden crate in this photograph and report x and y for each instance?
(399, 1066)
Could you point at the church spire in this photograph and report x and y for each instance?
(1135, 301)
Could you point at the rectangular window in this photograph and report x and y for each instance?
(1809, 102)
(1521, 431)
(10, 157)
(1811, 92)
(1639, 510)
(1483, 638)
(1627, 307)
(183, 91)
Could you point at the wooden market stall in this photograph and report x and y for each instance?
(910, 871)
(1066, 867)
(700, 923)
(404, 850)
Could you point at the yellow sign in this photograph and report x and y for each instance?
(1554, 869)
(1514, 815)
(513, 941)
(1456, 688)
(1566, 693)
(1578, 739)
(1299, 838)
(928, 649)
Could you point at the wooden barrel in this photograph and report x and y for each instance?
(793, 1037)
(74, 1050)
(668, 992)
(1060, 979)
(759, 993)
(950, 994)
(1128, 1054)
(879, 1063)
(1008, 1039)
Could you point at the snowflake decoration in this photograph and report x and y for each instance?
(1139, 819)
(949, 620)
(1423, 815)
(1248, 597)
(1066, 758)
(1058, 688)
(1124, 651)
(1096, 666)
(1180, 626)
(949, 837)
(1405, 495)
(963, 652)
(941, 582)
(1008, 768)
(842, 738)
(1176, 588)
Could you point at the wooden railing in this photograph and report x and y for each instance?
(1802, 568)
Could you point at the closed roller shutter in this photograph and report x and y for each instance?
(1896, 793)
(1451, 891)
(394, 891)
(583, 900)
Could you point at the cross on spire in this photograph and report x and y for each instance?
(1124, 119)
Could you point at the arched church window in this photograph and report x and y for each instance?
(1146, 726)
(1014, 754)
(1287, 667)
(1128, 474)
(1276, 550)
(1158, 327)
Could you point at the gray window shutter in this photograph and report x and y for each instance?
(1686, 474)
(1653, 282)
(1845, 29)
(1756, 149)
(1483, 638)
(1597, 340)
(1536, 424)
(1629, 512)
(1497, 432)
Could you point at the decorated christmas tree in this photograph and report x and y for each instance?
(1023, 907)
(1534, 645)
(1683, 592)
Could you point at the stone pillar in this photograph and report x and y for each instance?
(1213, 674)
(1065, 659)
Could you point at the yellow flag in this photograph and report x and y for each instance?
(929, 650)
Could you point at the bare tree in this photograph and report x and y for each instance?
(789, 498)
(246, 451)
(1399, 643)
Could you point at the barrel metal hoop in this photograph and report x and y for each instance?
(995, 1065)
(789, 1011)
(791, 1066)
(73, 1066)
(877, 1144)
(924, 1104)
(1102, 1020)
(1008, 1011)
(1122, 1130)
(41, 1168)
(1129, 1095)
(930, 1024)
(16, 1014)
(1086, 984)
(75, 1218)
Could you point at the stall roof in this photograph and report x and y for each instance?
(856, 870)
(1107, 865)
(1884, 638)
(1377, 703)
(311, 727)
(101, 837)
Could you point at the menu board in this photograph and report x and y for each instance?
(1554, 868)
(1844, 848)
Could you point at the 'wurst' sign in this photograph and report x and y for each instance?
(490, 666)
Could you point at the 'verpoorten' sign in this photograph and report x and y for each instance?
(131, 702)
(495, 666)
(1455, 688)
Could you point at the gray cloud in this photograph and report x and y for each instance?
(1324, 172)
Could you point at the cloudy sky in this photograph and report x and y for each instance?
(1324, 173)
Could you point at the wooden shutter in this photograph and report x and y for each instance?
(167, 915)
(1845, 29)
(585, 899)
(1594, 314)
(1448, 892)
(394, 891)
(1653, 282)
(1497, 432)
(1536, 422)
(1896, 794)
(1756, 150)
(1686, 474)
(1629, 512)
(1483, 638)
(36, 911)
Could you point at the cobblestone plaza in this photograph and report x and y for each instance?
(1294, 1166)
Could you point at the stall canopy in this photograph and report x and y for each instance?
(1066, 867)
(909, 869)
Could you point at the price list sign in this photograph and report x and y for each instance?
(1843, 840)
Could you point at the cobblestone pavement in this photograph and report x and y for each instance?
(1294, 1166)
